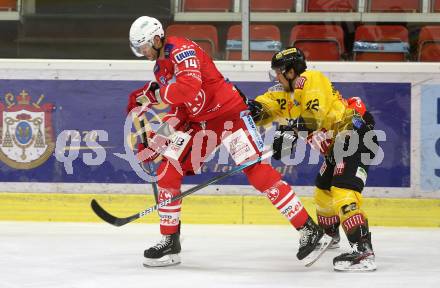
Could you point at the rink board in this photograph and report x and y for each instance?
(106, 100)
(90, 95)
(204, 209)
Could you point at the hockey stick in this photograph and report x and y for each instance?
(116, 221)
(149, 167)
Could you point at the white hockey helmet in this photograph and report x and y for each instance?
(142, 32)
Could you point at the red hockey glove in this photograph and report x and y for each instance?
(132, 100)
(157, 146)
(150, 95)
(357, 104)
(147, 95)
(320, 140)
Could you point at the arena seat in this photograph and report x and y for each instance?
(272, 6)
(204, 35)
(207, 5)
(319, 42)
(435, 6)
(429, 44)
(264, 42)
(8, 5)
(381, 43)
(407, 6)
(331, 5)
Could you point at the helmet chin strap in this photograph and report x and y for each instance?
(289, 81)
(158, 51)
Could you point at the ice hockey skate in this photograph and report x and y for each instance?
(336, 238)
(361, 258)
(164, 253)
(312, 243)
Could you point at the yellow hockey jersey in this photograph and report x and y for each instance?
(314, 99)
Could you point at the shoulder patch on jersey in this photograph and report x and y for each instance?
(185, 54)
(167, 50)
(299, 83)
(276, 88)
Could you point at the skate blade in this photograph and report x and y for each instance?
(167, 260)
(334, 245)
(324, 243)
(365, 265)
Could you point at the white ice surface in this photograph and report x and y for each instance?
(78, 255)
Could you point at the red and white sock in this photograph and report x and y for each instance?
(285, 200)
(170, 214)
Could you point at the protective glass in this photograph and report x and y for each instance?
(273, 74)
(137, 50)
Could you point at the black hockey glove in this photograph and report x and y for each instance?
(286, 136)
(284, 141)
(257, 111)
(369, 120)
(255, 108)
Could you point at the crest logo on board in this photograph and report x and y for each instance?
(26, 132)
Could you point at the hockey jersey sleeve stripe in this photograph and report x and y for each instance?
(165, 96)
(192, 70)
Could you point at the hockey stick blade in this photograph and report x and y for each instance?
(117, 221)
(109, 218)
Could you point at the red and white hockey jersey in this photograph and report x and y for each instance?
(189, 78)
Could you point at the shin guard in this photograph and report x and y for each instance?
(353, 219)
(327, 216)
(286, 201)
(170, 214)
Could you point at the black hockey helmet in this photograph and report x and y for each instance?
(288, 58)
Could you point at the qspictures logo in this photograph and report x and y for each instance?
(26, 131)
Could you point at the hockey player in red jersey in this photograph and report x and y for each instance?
(206, 111)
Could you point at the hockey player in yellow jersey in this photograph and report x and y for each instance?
(311, 109)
